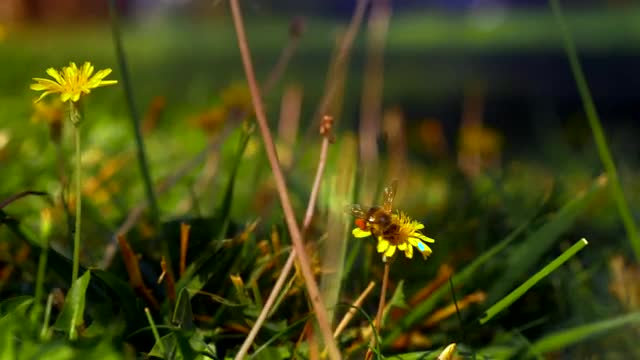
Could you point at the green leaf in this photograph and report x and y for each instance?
(525, 257)
(12, 304)
(121, 293)
(72, 313)
(225, 207)
(14, 317)
(397, 300)
(182, 313)
(274, 353)
(187, 345)
(564, 338)
(522, 289)
(168, 345)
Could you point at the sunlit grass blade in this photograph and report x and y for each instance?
(339, 190)
(44, 331)
(421, 310)
(520, 290)
(562, 339)
(225, 207)
(72, 313)
(156, 335)
(596, 128)
(524, 258)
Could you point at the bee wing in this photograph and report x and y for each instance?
(389, 194)
(356, 210)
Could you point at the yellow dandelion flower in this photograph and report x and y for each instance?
(72, 82)
(403, 234)
(236, 99)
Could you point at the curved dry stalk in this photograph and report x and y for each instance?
(352, 311)
(281, 186)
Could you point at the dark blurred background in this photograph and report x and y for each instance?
(506, 52)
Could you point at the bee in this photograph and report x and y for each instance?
(377, 219)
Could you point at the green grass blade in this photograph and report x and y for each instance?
(564, 338)
(225, 207)
(182, 314)
(520, 290)
(72, 313)
(120, 294)
(156, 335)
(421, 310)
(525, 257)
(598, 132)
(289, 328)
(134, 114)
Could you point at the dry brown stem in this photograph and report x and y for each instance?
(352, 311)
(294, 230)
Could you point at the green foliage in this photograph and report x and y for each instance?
(226, 196)
(72, 316)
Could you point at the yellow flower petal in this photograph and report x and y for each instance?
(55, 74)
(70, 82)
(44, 84)
(403, 246)
(423, 238)
(359, 233)
(417, 225)
(409, 252)
(382, 245)
(390, 251)
(43, 95)
(87, 69)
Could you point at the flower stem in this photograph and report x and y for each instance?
(74, 116)
(378, 323)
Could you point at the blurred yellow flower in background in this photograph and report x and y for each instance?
(72, 82)
(3, 32)
(236, 99)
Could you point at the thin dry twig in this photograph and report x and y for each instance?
(184, 245)
(296, 29)
(281, 186)
(378, 324)
(352, 311)
(284, 273)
